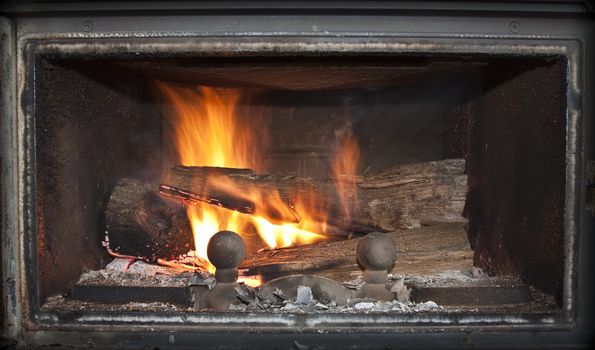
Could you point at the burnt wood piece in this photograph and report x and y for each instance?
(323, 289)
(422, 251)
(402, 197)
(141, 223)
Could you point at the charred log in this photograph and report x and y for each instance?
(401, 197)
(230, 188)
(139, 222)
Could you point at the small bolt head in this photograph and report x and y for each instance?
(87, 26)
(376, 251)
(514, 27)
(226, 249)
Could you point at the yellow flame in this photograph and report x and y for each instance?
(207, 131)
(252, 281)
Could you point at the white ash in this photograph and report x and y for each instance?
(392, 277)
(306, 303)
(394, 306)
(477, 272)
(143, 268)
(364, 305)
(61, 303)
(118, 265)
(320, 306)
(290, 307)
(352, 302)
(427, 306)
(237, 307)
(358, 305)
(125, 272)
(451, 277)
(472, 277)
(139, 267)
(355, 284)
(446, 277)
(108, 277)
(121, 272)
(400, 290)
(304, 295)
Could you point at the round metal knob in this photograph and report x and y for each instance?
(376, 251)
(226, 250)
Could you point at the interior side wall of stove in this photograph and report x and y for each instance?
(516, 166)
(3, 46)
(94, 125)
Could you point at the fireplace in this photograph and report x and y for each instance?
(290, 185)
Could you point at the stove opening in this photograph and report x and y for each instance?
(300, 184)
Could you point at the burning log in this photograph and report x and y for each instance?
(270, 196)
(140, 223)
(229, 188)
(401, 197)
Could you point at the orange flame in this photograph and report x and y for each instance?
(252, 281)
(344, 167)
(207, 130)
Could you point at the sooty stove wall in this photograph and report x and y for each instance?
(98, 120)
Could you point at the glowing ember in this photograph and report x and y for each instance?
(207, 130)
(252, 281)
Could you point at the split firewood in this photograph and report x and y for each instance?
(412, 195)
(402, 197)
(141, 223)
(422, 251)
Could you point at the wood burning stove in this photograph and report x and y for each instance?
(331, 141)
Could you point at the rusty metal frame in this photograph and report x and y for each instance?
(76, 37)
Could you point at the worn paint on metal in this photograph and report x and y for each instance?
(46, 326)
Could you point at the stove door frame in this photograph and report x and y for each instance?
(261, 35)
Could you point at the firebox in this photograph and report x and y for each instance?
(229, 175)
